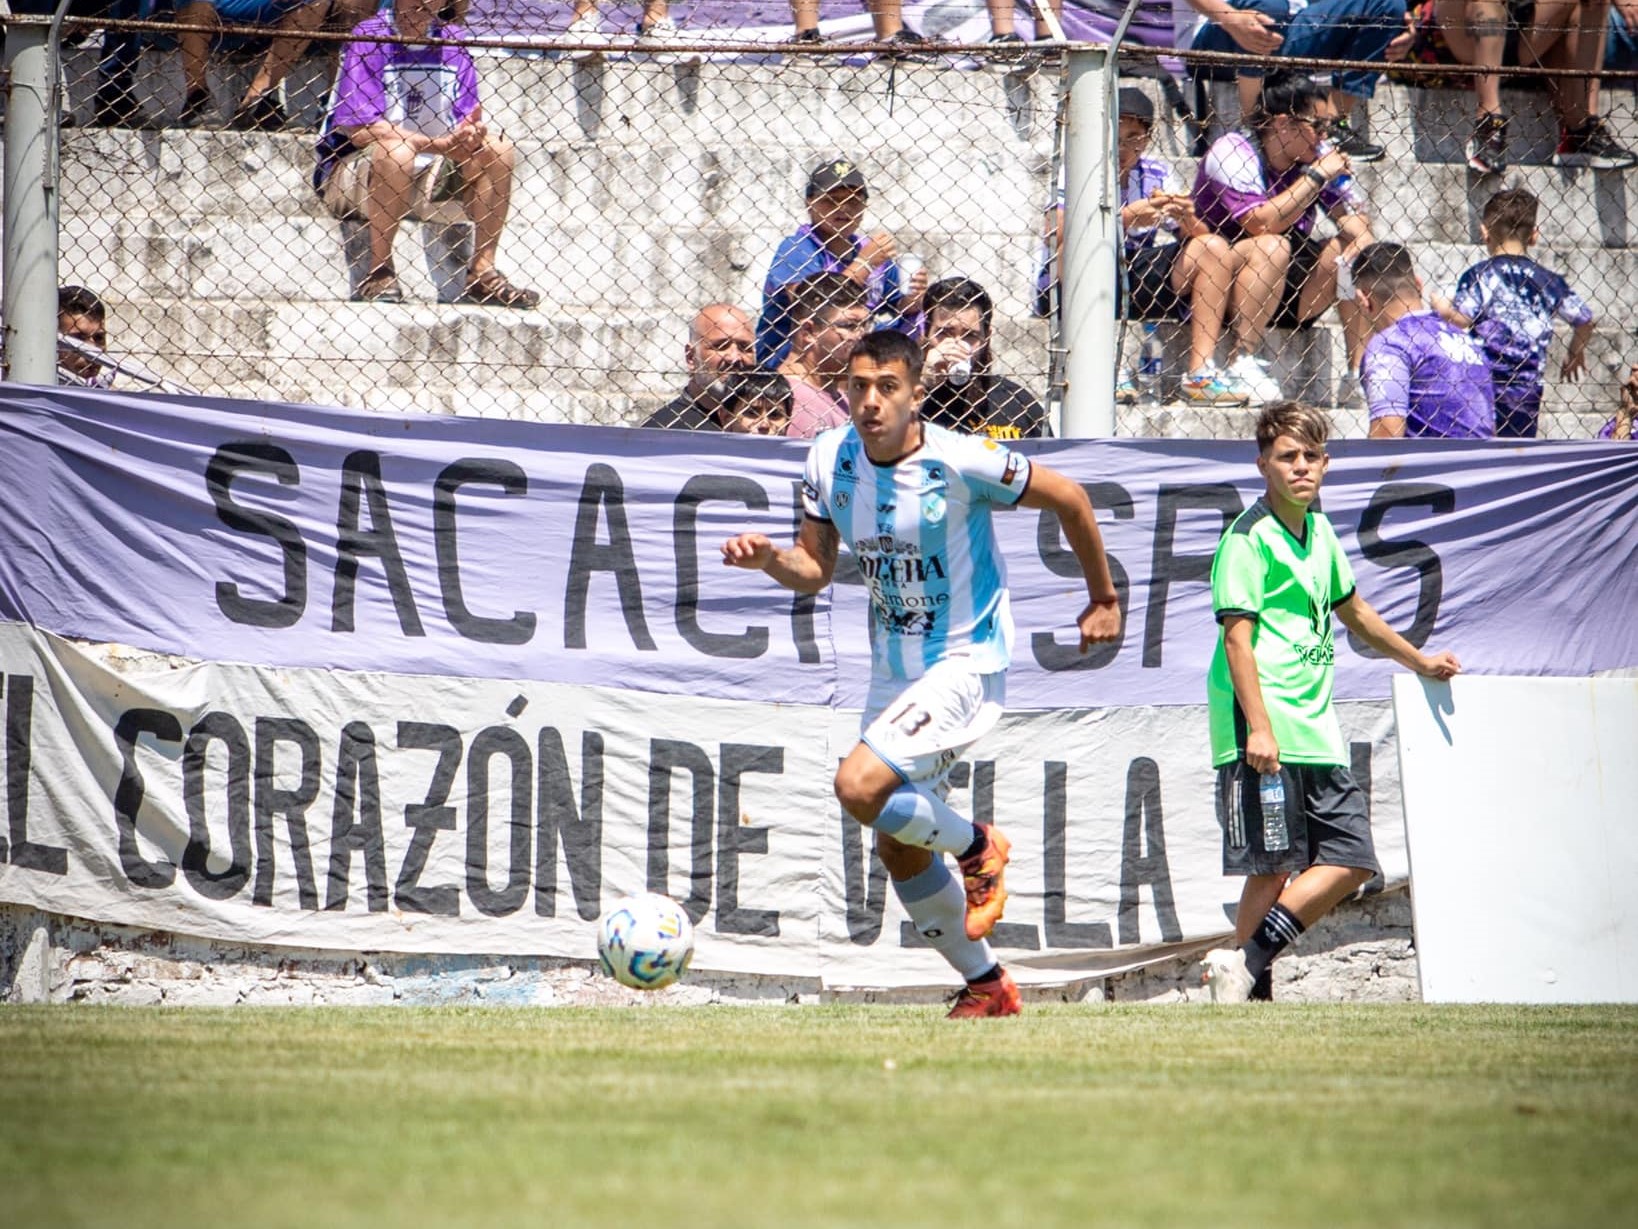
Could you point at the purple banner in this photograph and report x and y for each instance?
(303, 536)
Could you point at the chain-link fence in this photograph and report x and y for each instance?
(646, 178)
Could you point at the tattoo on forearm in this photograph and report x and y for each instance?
(829, 541)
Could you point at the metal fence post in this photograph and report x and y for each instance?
(1089, 270)
(29, 265)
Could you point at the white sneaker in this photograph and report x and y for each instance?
(658, 38)
(586, 30)
(1224, 972)
(1248, 374)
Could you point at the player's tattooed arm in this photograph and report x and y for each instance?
(806, 566)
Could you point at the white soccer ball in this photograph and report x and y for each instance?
(645, 941)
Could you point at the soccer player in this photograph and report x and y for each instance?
(1278, 576)
(913, 501)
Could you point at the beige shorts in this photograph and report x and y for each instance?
(434, 193)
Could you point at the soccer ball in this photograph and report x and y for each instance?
(645, 941)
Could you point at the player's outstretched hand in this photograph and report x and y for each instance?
(748, 550)
(1439, 665)
(1099, 624)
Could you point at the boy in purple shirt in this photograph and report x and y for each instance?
(405, 133)
(1423, 377)
(1510, 302)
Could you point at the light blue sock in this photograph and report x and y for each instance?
(914, 817)
(937, 906)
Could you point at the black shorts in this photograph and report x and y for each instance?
(1148, 284)
(1305, 256)
(1325, 814)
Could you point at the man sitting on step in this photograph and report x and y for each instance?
(405, 137)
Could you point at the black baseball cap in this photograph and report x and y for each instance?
(836, 174)
(1133, 103)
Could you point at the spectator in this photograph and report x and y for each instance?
(1552, 34)
(1260, 190)
(831, 242)
(757, 403)
(1620, 427)
(656, 32)
(963, 392)
(259, 108)
(1170, 255)
(886, 19)
(830, 317)
(1510, 301)
(83, 317)
(406, 131)
(1424, 378)
(114, 104)
(1373, 30)
(720, 345)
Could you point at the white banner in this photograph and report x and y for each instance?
(372, 811)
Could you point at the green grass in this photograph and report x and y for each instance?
(1281, 1116)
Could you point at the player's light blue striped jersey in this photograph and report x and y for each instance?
(922, 533)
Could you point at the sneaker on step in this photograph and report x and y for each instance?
(1126, 392)
(1487, 147)
(1351, 141)
(195, 109)
(660, 38)
(993, 997)
(1224, 973)
(585, 31)
(983, 876)
(1208, 387)
(1593, 145)
(1249, 375)
(1009, 61)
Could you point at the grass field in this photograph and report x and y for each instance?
(1273, 1116)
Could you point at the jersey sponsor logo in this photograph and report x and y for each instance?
(1322, 653)
(845, 471)
(908, 622)
(886, 544)
(901, 571)
(810, 492)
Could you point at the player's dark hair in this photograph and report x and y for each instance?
(1511, 214)
(743, 389)
(1293, 418)
(1285, 93)
(78, 301)
(1383, 270)
(886, 346)
(811, 297)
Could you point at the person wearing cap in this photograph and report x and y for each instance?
(1173, 266)
(831, 242)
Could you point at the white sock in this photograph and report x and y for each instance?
(914, 817)
(937, 906)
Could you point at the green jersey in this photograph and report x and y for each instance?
(1289, 585)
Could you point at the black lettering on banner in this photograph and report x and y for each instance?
(803, 605)
(133, 723)
(257, 457)
(603, 492)
(864, 884)
(1145, 825)
(1060, 932)
(270, 800)
(752, 641)
(1049, 654)
(581, 831)
(428, 818)
(1168, 567)
(736, 838)
(1406, 552)
(512, 481)
(216, 727)
(30, 855)
(355, 822)
(980, 776)
(665, 757)
(498, 740)
(361, 484)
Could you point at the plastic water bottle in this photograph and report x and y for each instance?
(1271, 799)
(959, 372)
(1151, 359)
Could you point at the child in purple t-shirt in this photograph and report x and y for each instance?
(1424, 378)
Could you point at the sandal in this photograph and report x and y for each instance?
(491, 289)
(381, 286)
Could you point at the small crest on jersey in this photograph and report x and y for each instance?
(932, 507)
(1011, 472)
(843, 499)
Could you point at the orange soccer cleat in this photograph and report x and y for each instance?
(994, 996)
(982, 876)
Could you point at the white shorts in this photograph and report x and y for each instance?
(434, 191)
(921, 727)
